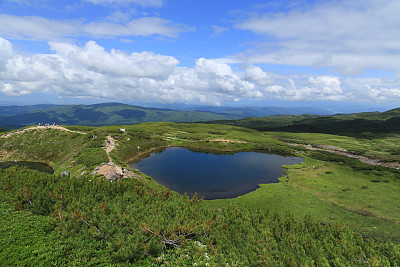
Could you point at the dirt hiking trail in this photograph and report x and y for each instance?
(7, 135)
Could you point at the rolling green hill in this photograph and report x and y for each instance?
(374, 122)
(103, 115)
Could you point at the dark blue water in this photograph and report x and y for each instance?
(213, 176)
(39, 166)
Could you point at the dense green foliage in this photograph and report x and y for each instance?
(105, 114)
(145, 224)
(92, 157)
(27, 239)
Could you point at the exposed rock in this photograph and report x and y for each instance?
(65, 173)
(112, 176)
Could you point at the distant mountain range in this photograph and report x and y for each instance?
(13, 110)
(13, 117)
(259, 118)
(261, 111)
(250, 111)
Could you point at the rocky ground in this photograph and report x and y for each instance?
(110, 170)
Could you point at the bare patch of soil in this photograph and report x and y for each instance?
(225, 140)
(7, 135)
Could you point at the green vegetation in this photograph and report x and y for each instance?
(331, 209)
(366, 201)
(92, 157)
(377, 146)
(131, 222)
(27, 239)
(62, 150)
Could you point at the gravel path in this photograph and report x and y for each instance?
(109, 146)
(340, 151)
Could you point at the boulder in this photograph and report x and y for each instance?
(65, 173)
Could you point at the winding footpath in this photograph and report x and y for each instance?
(339, 151)
(110, 170)
(109, 146)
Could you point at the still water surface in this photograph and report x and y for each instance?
(39, 166)
(213, 175)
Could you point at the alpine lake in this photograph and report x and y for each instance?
(39, 166)
(213, 175)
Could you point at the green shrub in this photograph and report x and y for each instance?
(132, 223)
(92, 157)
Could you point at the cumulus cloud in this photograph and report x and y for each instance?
(257, 75)
(91, 71)
(6, 52)
(116, 63)
(350, 36)
(40, 28)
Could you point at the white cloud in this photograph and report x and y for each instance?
(116, 63)
(40, 28)
(91, 71)
(143, 26)
(257, 75)
(144, 3)
(37, 28)
(6, 52)
(218, 30)
(326, 85)
(350, 36)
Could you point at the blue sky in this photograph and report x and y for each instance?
(201, 52)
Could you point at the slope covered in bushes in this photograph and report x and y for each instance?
(136, 222)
